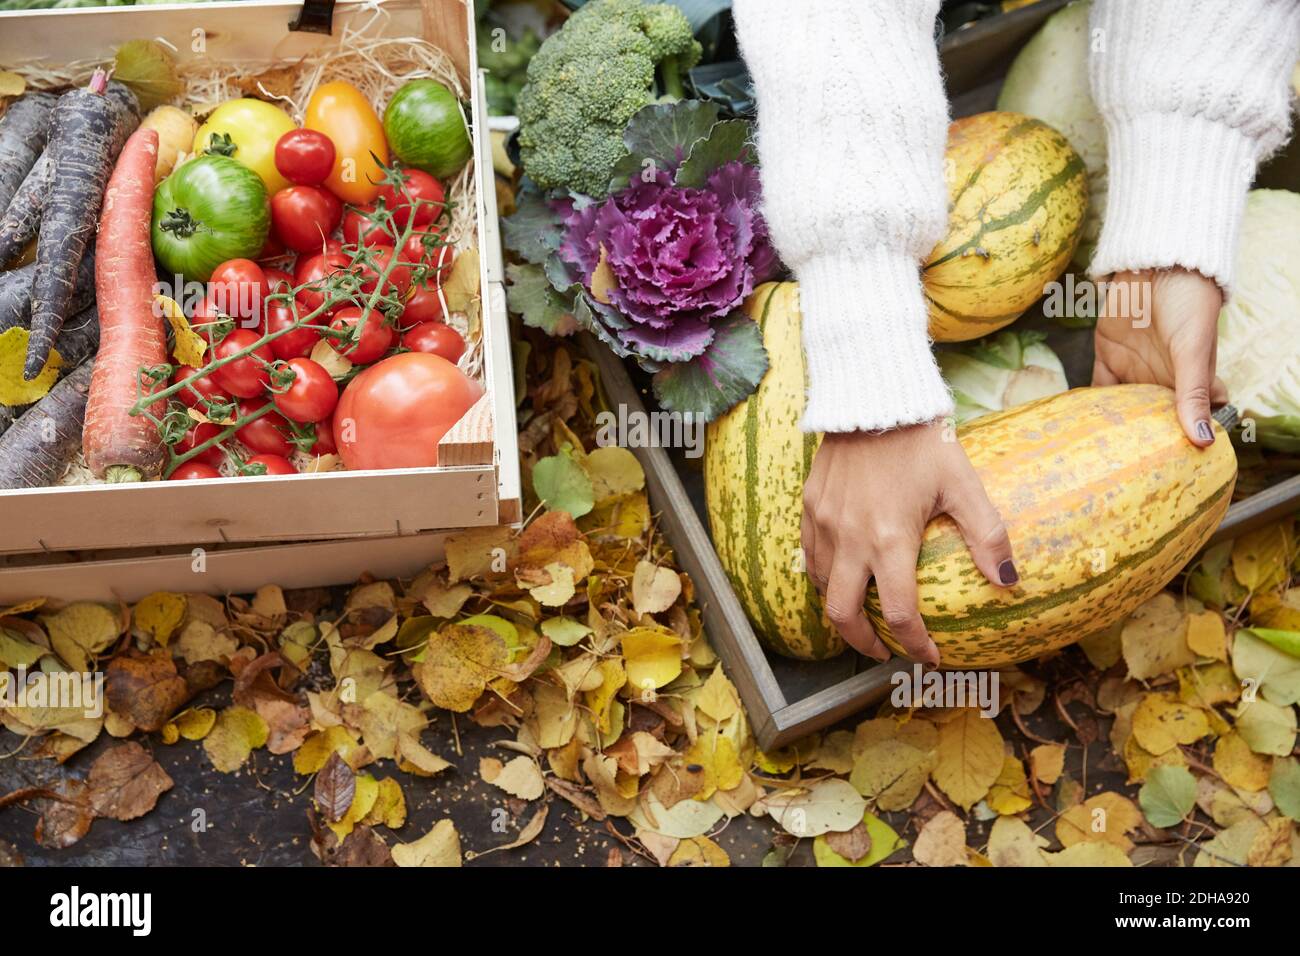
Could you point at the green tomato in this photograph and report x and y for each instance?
(210, 209)
(425, 128)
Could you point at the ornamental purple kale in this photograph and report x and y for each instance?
(678, 259)
(658, 271)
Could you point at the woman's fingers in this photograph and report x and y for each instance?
(1101, 374)
(846, 595)
(967, 503)
(1193, 358)
(808, 534)
(1192, 385)
(895, 571)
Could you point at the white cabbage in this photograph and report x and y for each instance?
(1009, 369)
(1259, 328)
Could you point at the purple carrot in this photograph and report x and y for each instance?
(87, 131)
(16, 292)
(23, 217)
(23, 130)
(78, 342)
(39, 445)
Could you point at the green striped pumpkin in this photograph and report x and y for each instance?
(1017, 199)
(1103, 497)
(756, 459)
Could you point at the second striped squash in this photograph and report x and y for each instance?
(1017, 197)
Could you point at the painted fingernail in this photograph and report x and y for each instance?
(1203, 430)
(1007, 573)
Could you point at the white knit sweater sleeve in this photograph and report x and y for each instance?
(1194, 94)
(851, 128)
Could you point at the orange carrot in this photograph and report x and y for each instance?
(120, 446)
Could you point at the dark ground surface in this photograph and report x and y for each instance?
(258, 816)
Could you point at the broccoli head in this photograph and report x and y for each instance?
(586, 82)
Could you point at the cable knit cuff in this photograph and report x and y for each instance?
(866, 344)
(1177, 187)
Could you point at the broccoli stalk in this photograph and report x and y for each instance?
(671, 75)
(588, 80)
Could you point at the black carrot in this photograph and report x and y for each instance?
(22, 219)
(78, 342)
(39, 445)
(87, 131)
(23, 130)
(16, 292)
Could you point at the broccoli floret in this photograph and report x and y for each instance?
(587, 81)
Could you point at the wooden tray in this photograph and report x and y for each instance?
(476, 482)
(787, 699)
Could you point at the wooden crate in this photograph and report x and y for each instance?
(100, 542)
(476, 481)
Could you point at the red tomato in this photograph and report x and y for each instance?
(274, 464)
(208, 388)
(396, 411)
(310, 272)
(376, 337)
(423, 248)
(424, 305)
(312, 395)
(201, 432)
(359, 229)
(420, 188)
(247, 376)
(266, 435)
(277, 280)
(399, 280)
(324, 444)
(295, 344)
(192, 470)
(304, 156)
(304, 216)
(272, 249)
(237, 287)
(206, 316)
(435, 338)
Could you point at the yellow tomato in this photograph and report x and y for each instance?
(340, 112)
(253, 128)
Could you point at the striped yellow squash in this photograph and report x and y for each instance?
(756, 460)
(1105, 501)
(1017, 197)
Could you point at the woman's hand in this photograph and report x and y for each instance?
(867, 501)
(1161, 326)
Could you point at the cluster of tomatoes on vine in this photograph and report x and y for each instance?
(310, 287)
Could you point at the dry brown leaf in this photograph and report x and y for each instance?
(125, 782)
(336, 785)
(145, 688)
